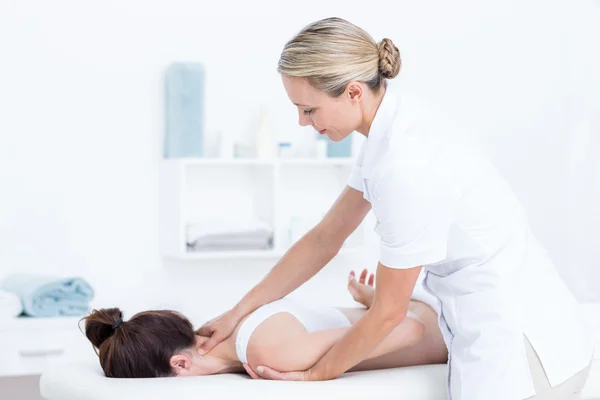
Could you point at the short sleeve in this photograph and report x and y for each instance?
(355, 180)
(414, 216)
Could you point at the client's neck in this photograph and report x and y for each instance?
(224, 357)
(224, 366)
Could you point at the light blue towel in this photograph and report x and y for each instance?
(341, 149)
(49, 296)
(184, 110)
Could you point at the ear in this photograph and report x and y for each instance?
(180, 363)
(354, 91)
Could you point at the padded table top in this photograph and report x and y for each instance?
(85, 381)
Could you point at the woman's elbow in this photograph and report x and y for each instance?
(413, 329)
(391, 317)
(284, 358)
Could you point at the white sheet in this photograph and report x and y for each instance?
(86, 382)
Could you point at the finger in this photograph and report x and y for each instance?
(352, 283)
(210, 343)
(352, 275)
(351, 278)
(363, 276)
(251, 372)
(205, 330)
(371, 280)
(352, 289)
(202, 331)
(268, 373)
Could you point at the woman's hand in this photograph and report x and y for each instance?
(263, 372)
(362, 291)
(218, 329)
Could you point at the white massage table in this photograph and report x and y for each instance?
(85, 381)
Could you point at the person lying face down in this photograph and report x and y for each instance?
(284, 334)
(151, 344)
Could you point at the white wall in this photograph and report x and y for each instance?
(81, 118)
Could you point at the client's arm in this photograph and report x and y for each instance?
(304, 351)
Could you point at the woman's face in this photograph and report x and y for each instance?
(335, 117)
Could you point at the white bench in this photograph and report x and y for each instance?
(67, 379)
(85, 381)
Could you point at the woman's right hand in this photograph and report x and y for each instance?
(218, 329)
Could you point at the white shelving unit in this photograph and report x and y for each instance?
(274, 191)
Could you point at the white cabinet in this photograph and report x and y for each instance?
(290, 195)
(30, 346)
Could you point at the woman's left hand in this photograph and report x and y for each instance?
(263, 372)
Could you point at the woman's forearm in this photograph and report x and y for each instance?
(356, 345)
(300, 263)
(389, 309)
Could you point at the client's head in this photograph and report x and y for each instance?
(151, 344)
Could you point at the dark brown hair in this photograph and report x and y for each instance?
(141, 347)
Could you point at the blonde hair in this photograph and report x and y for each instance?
(332, 52)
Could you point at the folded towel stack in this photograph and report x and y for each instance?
(10, 305)
(184, 110)
(222, 235)
(49, 296)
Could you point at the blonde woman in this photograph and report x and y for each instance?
(512, 328)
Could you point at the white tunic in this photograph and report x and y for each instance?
(444, 206)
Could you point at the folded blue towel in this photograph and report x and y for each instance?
(342, 149)
(49, 296)
(184, 109)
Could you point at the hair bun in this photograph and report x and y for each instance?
(99, 325)
(389, 59)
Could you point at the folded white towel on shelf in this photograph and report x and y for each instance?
(226, 228)
(229, 234)
(10, 305)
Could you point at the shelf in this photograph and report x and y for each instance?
(318, 162)
(287, 194)
(220, 162)
(247, 254)
(252, 161)
(220, 255)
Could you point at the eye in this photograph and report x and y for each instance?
(309, 111)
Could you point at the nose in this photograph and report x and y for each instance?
(303, 120)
